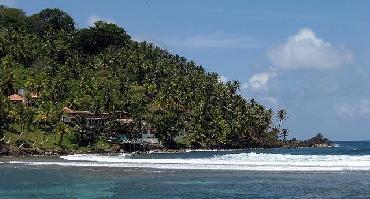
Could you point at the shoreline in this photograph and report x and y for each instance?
(290, 160)
(36, 152)
(116, 148)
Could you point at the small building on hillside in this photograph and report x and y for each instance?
(130, 131)
(21, 97)
(91, 119)
(72, 115)
(15, 98)
(148, 134)
(145, 133)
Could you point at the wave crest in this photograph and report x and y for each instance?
(242, 161)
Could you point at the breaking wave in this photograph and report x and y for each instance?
(242, 161)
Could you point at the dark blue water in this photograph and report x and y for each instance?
(55, 181)
(342, 148)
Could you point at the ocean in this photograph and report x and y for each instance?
(337, 172)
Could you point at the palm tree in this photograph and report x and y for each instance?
(284, 133)
(282, 116)
(62, 129)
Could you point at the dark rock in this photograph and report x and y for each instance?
(23, 144)
(317, 141)
(4, 149)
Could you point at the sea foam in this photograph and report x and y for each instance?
(241, 161)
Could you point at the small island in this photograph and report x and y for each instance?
(67, 90)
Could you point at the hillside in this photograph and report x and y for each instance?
(100, 71)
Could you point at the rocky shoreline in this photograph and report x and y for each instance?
(317, 141)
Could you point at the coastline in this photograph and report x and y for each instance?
(337, 159)
(12, 151)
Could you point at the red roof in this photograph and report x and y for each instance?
(15, 97)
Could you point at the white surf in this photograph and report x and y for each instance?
(242, 161)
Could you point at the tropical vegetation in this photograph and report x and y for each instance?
(102, 70)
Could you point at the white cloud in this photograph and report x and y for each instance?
(9, 3)
(93, 18)
(270, 100)
(352, 110)
(306, 51)
(212, 40)
(260, 81)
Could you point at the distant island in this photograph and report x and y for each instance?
(95, 90)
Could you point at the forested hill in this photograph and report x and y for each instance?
(102, 70)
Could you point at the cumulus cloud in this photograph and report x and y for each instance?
(352, 110)
(306, 51)
(93, 18)
(260, 81)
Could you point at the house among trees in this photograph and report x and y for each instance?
(21, 97)
(144, 133)
(87, 117)
(148, 133)
(15, 98)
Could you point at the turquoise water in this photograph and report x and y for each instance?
(340, 172)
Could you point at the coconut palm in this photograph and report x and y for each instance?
(284, 133)
(282, 116)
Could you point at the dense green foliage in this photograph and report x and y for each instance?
(101, 69)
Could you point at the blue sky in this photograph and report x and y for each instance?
(309, 57)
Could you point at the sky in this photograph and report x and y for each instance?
(311, 58)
